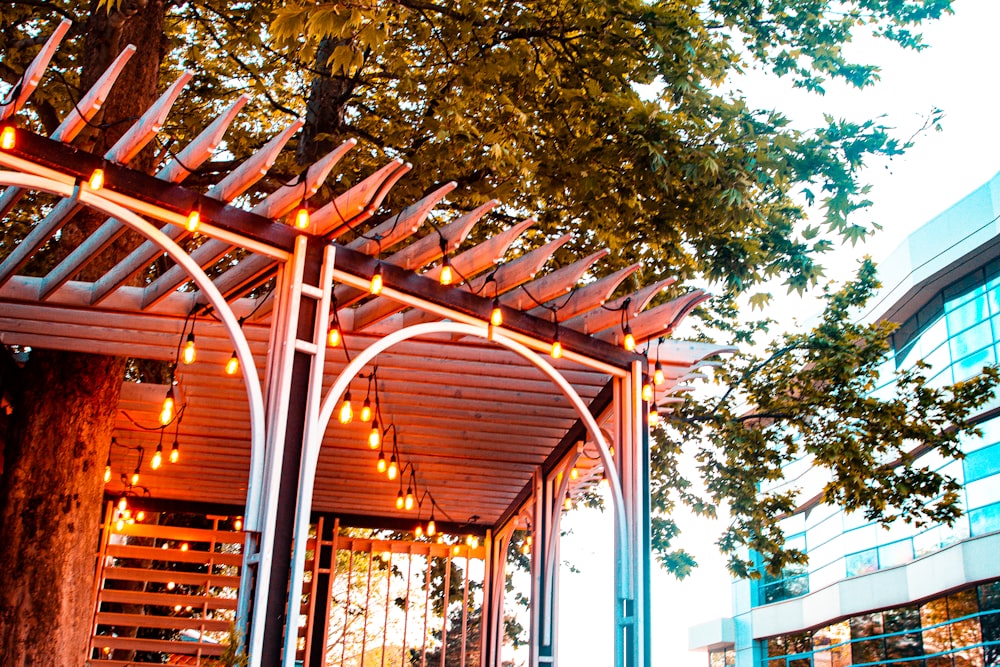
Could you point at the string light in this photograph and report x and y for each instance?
(399, 500)
(140, 515)
(375, 436)
(107, 469)
(393, 470)
(302, 217)
(157, 459)
(377, 281)
(418, 531)
(7, 138)
(472, 541)
(120, 524)
(556, 351)
(366, 411)
(654, 416)
(122, 503)
(233, 365)
(647, 392)
(346, 414)
(380, 466)
(408, 503)
(189, 354)
(238, 523)
(658, 377)
(447, 273)
(568, 502)
(135, 476)
(193, 221)
(167, 411)
(431, 526)
(574, 473)
(175, 452)
(629, 341)
(496, 315)
(96, 181)
(333, 337)
(526, 547)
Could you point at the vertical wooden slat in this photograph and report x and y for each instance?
(388, 591)
(333, 584)
(427, 610)
(368, 604)
(99, 575)
(347, 605)
(317, 545)
(406, 612)
(444, 611)
(465, 612)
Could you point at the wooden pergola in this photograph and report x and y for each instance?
(486, 423)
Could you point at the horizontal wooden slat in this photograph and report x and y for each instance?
(167, 599)
(157, 646)
(172, 555)
(163, 622)
(166, 576)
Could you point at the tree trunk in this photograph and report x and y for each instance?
(64, 407)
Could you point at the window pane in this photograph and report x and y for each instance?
(870, 650)
(933, 617)
(896, 553)
(861, 563)
(966, 315)
(985, 519)
(982, 463)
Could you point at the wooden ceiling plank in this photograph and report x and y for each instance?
(359, 203)
(610, 315)
(400, 226)
(289, 196)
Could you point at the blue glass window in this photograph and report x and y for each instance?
(985, 519)
(982, 463)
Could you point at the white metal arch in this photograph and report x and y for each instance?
(315, 432)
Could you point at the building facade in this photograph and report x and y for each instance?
(898, 595)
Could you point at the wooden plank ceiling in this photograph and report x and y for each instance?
(472, 419)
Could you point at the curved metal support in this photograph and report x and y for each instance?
(310, 457)
(251, 380)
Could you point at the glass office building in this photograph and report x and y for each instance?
(898, 595)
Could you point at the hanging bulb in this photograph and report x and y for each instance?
(302, 217)
(122, 503)
(629, 342)
(375, 437)
(399, 500)
(496, 315)
(440, 539)
(393, 470)
(238, 523)
(658, 377)
(603, 482)
(7, 138)
(377, 282)
(447, 274)
(107, 469)
(157, 459)
(556, 350)
(167, 411)
(233, 365)
(472, 541)
(96, 181)
(654, 416)
(120, 524)
(346, 414)
(193, 221)
(418, 531)
(431, 526)
(647, 392)
(333, 337)
(135, 476)
(568, 503)
(366, 411)
(188, 355)
(574, 473)
(409, 498)
(140, 515)
(174, 453)
(380, 466)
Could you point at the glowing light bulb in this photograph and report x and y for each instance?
(167, 411)
(189, 354)
(233, 365)
(171, 585)
(447, 274)
(431, 527)
(366, 411)
(629, 342)
(380, 466)
(654, 416)
(140, 515)
(302, 218)
(419, 531)
(603, 483)
(157, 458)
(193, 221)
(393, 470)
(496, 315)
(175, 453)
(333, 337)
(184, 546)
(574, 473)
(472, 541)
(568, 503)
(647, 392)
(122, 503)
(7, 138)
(556, 350)
(346, 414)
(135, 477)
(120, 524)
(399, 500)
(455, 549)
(96, 181)
(375, 437)
(107, 473)
(238, 523)
(177, 607)
(127, 514)
(377, 282)
(658, 377)
(408, 503)
(440, 539)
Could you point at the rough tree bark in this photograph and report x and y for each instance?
(64, 407)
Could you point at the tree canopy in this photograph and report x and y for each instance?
(614, 120)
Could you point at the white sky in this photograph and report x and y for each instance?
(957, 73)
